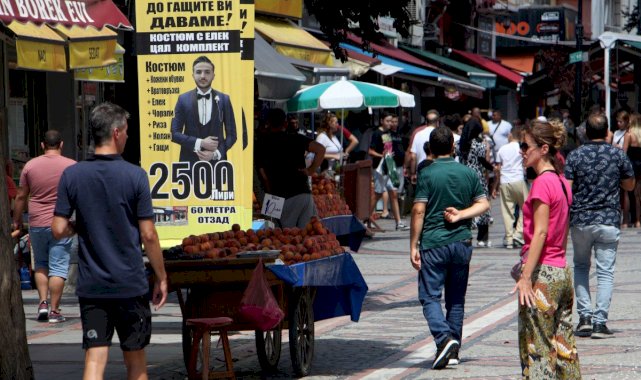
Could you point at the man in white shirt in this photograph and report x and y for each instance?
(410, 164)
(417, 152)
(513, 188)
(499, 131)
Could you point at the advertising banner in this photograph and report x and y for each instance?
(196, 91)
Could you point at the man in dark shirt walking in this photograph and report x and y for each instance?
(448, 196)
(597, 172)
(380, 146)
(114, 215)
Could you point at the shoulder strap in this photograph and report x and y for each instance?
(619, 140)
(567, 198)
(496, 129)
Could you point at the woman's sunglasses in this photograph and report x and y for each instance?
(524, 146)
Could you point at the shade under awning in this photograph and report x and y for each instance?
(277, 78)
(83, 13)
(89, 47)
(38, 47)
(292, 41)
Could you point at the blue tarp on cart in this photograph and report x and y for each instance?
(348, 230)
(340, 287)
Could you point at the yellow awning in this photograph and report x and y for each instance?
(114, 73)
(38, 47)
(292, 41)
(89, 47)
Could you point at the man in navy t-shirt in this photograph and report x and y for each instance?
(114, 216)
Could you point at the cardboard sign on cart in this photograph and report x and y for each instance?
(272, 206)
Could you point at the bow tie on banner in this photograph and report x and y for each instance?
(206, 96)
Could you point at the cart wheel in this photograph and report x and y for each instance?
(268, 345)
(301, 333)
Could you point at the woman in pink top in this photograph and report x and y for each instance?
(546, 296)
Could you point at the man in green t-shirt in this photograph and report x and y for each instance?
(448, 196)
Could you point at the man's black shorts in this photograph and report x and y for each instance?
(131, 318)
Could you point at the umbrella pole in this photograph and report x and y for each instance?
(342, 133)
(340, 155)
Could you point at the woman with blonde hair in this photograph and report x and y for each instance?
(633, 150)
(547, 348)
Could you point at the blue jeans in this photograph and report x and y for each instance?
(604, 239)
(444, 267)
(49, 253)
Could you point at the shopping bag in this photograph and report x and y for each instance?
(391, 170)
(258, 305)
(380, 169)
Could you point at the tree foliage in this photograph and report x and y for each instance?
(631, 18)
(360, 17)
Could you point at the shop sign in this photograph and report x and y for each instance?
(485, 41)
(196, 150)
(97, 13)
(575, 57)
(111, 73)
(452, 93)
(543, 23)
(386, 26)
(484, 81)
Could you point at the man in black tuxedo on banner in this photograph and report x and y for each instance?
(203, 122)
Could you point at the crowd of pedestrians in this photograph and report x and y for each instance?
(579, 181)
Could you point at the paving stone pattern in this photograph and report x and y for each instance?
(391, 340)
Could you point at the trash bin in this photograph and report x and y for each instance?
(357, 182)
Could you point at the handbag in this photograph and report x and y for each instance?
(391, 170)
(515, 272)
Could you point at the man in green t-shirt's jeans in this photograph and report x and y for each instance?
(448, 196)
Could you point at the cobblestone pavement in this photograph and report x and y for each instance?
(391, 340)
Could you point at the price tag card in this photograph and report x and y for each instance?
(272, 206)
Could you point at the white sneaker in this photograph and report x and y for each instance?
(483, 244)
(401, 227)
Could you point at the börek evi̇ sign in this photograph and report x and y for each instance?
(67, 12)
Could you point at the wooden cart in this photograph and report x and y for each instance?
(214, 288)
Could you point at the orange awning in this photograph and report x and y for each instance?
(523, 63)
